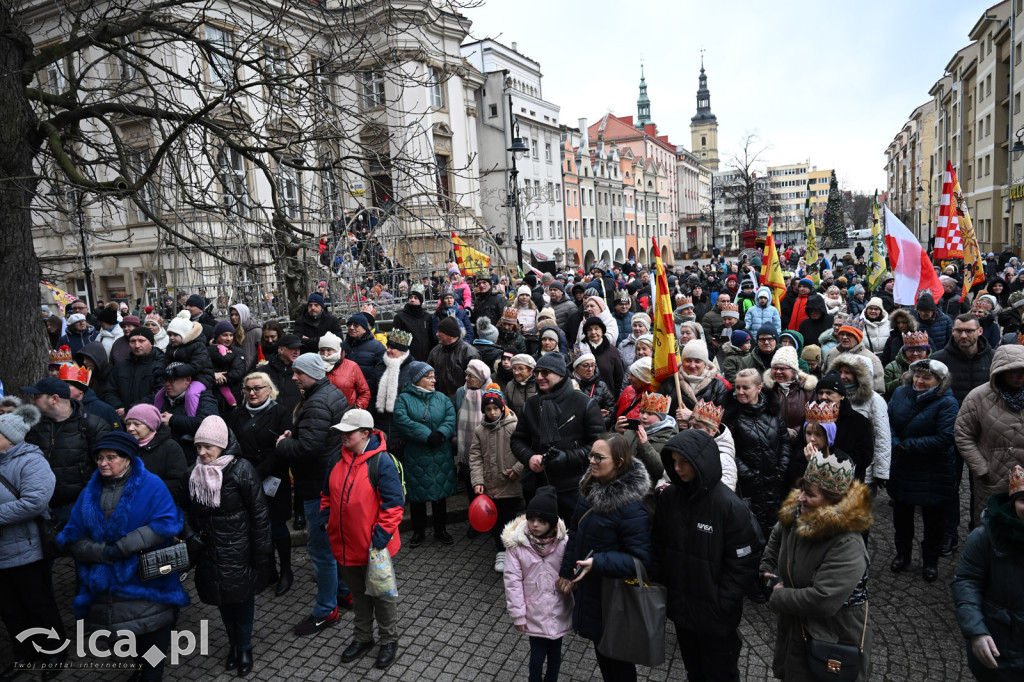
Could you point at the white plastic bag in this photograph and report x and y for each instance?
(380, 575)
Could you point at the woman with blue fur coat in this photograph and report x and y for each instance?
(123, 511)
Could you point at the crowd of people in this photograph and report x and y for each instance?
(749, 476)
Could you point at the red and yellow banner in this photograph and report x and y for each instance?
(60, 296)
(470, 261)
(665, 362)
(771, 269)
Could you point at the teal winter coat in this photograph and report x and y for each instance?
(429, 471)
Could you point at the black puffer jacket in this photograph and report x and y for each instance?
(101, 377)
(67, 446)
(368, 353)
(598, 390)
(762, 455)
(135, 380)
(967, 372)
(257, 437)
(812, 329)
(492, 305)
(609, 362)
(313, 329)
(234, 563)
(313, 441)
(449, 363)
(232, 363)
(194, 354)
(706, 543)
(163, 457)
(563, 423)
(418, 322)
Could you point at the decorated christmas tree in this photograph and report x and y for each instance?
(834, 225)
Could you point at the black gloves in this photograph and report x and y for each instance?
(435, 439)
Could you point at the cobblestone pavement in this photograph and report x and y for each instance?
(454, 625)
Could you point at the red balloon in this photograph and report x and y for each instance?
(482, 513)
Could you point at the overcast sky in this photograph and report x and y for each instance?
(832, 82)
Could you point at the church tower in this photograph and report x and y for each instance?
(643, 103)
(704, 126)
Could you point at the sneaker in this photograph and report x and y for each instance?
(948, 545)
(499, 562)
(315, 624)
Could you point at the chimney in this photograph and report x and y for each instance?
(584, 142)
(515, 46)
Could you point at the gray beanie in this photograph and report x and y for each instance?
(485, 329)
(16, 424)
(309, 364)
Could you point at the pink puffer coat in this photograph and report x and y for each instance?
(531, 596)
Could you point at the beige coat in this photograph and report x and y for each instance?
(989, 435)
(490, 456)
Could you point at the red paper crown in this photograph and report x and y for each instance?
(73, 372)
(655, 403)
(708, 413)
(821, 413)
(915, 339)
(1016, 480)
(61, 356)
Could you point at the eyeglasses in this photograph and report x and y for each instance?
(106, 458)
(962, 331)
(253, 389)
(597, 458)
(767, 339)
(587, 365)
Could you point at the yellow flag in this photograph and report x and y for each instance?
(60, 296)
(879, 263)
(471, 261)
(665, 362)
(811, 254)
(771, 270)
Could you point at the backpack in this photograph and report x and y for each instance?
(373, 465)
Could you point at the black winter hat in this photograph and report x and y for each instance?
(832, 382)
(108, 316)
(492, 397)
(196, 301)
(552, 362)
(449, 326)
(925, 301)
(591, 321)
(142, 331)
(544, 504)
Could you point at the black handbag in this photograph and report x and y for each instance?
(154, 563)
(633, 619)
(48, 528)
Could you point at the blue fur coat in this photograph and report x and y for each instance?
(145, 501)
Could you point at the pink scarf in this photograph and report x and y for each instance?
(206, 479)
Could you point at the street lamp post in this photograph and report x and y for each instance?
(517, 149)
(931, 220)
(86, 270)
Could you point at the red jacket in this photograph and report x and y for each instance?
(628, 398)
(356, 513)
(349, 379)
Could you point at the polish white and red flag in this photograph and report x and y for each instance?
(910, 264)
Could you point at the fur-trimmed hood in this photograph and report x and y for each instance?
(803, 380)
(862, 369)
(851, 515)
(514, 532)
(901, 314)
(629, 487)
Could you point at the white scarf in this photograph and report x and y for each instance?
(206, 479)
(330, 360)
(387, 390)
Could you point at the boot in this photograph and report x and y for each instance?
(930, 561)
(232, 662)
(284, 554)
(902, 560)
(244, 662)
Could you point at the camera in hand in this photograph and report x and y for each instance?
(632, 424)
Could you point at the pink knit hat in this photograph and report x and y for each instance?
(145, 413)
(213, 431)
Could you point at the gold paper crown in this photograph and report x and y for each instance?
(397, 336)
(821, 413)
(61, 356)
(708, 413)
(854, 322)
(730, 306)
(828, 473)
(655, 403)
(73, 372)
(510, 315)
(685, 301)
(1016, 480)
(915, 339)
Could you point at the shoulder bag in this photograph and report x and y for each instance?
(633, 619)
(161, 561)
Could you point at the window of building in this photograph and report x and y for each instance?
(492, 111)
(330, 194)
(529, 229)
(323, 81)
(551, 229)
(56, 83)
(289, 185)
(436, 88)
(373, 88)
(533, 148)
(232, 178)
(138, 162)
(547, 152)
(275, 62)
(221, 47)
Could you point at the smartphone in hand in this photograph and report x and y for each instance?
(579, 569)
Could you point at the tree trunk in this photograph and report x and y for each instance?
(23, 340)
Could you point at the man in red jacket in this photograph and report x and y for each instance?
(361, 513)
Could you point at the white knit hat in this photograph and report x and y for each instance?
(641, 369)
(181, 324)
(786, 357)
(696, 349)
(330, 340)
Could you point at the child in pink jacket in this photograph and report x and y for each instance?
(535, 543)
